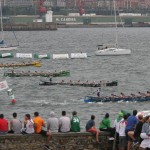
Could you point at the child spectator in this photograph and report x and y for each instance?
(75, 122)
(90, 127)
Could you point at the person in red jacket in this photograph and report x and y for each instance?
(3, 125)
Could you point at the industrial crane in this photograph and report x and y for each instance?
(41, 8)
(80, 4)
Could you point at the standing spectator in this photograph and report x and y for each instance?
(98, 92)
(52, 123)
(39, 123)
(145, 134)
(3, 125)
(105, 126)
(75, 122)
(64, 123)
(28, 125)
(117, 121)
(116, 126)
(15, 125)
(122, 135)
(132, 122)
(135, 135)
(90, 127)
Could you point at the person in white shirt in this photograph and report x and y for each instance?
(28, 125)
(122, 135)
(116, 126)
(145, 134)
(64, 123)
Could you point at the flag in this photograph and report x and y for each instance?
(3, 85)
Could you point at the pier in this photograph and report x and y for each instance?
(59, 141)
(33, 26)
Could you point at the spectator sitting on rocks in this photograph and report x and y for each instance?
(145, 134)
(64, 123)
(15, 125)
(90, 127)
(75, 122)
(52, 123)
(28, 125)
(3, 125)
(132, 122)
(135, 135)
(39, 123)
(105, 126)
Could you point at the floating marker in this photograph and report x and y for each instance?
(60, 56)
(78, 55)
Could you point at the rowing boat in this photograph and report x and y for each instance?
(90, 99)
(113, 83)
(36, 74)
(34, 64)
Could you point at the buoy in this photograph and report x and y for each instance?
(13, 101)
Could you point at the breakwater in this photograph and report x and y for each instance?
(59, 141)
(34, 26)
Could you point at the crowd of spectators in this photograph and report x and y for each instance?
(127, 131)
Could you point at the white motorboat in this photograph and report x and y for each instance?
(3, 45)
(105, 50)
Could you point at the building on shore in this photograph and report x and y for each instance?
(19, 3)
(91, 4)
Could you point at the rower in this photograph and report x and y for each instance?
(78, 82)
(122, 95)
(148, 93)
(98, 92)
(142, 94)
(133, 95)
(70, 82)
(62, 82)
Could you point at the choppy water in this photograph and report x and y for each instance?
(132, 72)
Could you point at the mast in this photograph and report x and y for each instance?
(2, 30)
(116, 40)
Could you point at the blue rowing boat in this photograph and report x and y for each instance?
(89, 99)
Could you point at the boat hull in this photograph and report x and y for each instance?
(34, 64)
(113, 83)
(113, 51)
(90, 99)
(8, 48)
(33, 74)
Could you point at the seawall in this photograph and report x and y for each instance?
(59, 141)
(34, 26)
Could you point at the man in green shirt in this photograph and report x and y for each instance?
(75, 122)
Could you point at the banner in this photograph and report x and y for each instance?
(3, 85)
